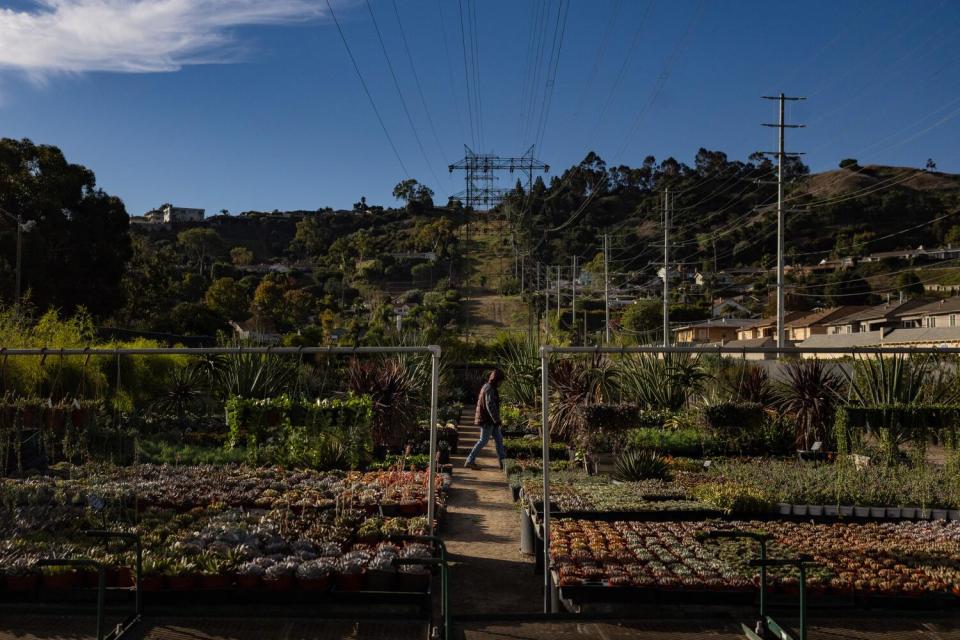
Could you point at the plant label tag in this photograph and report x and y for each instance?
(707, 464)
(817, 446)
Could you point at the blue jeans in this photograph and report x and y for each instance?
(486, 431)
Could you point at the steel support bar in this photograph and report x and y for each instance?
(545, 432)
(434, 392)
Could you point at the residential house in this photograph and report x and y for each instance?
(941, 313)
(881, 317)
(815, 322)
(709, 331)
(728, 307)
(766, 327)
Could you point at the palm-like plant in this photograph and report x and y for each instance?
(810, 394)
(576, 385)
(393, 385)
(252, 375)
(520, 360)
(184, 394)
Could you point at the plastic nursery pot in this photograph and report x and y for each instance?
(815, 509)
(954, 514)
(939, 514)
(893, 512)
(27, 582)
(61, 581)
(381, 581)
(350, 581)
(215, 581)
(152, 582)
(800, 509)
(785, 508)
(831, 510)
(122, 577)
(412, 508)
(845, 510)
(861, 512)
(248, 582)
(315, 584)
(908, 512)
(878, 512)
(418, 582)
(182, 583)
(283, 583)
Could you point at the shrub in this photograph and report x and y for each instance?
(690, 443)
(611, 416)
(738, 425)
(525, 448)
(730, 497)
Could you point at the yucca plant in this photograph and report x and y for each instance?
(667, 382)
(809, 395)
(640, 464)
(252, 375)
(899, 381)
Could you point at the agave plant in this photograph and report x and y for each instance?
(810, 395)
(184, 395)
(252, 375)
(640, 464)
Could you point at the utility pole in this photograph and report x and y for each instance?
(573, 300)
(606, 289)
(558, 296)
(666, 267)
(781, 156)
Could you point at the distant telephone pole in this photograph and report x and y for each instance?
(573, 300)
(781, 155)
(558, 297)
(666, 268)
(606, 288)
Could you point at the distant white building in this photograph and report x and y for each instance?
(181, 214)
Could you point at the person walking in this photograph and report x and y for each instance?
(487, 417)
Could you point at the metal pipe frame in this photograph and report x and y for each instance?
(433, 350)
(547, 350)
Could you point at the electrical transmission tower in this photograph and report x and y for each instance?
(481, 192)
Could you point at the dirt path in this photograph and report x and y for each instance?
(488, 573)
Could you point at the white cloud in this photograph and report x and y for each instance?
(134, 36)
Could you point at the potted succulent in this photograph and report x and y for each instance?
(249, 575)
(381, 573)
(20, 576)
(152, 576)
(350, 573)
(212, 573)
(280, 576)
(316, 575)
(182, 575)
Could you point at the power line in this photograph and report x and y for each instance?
(416, 78)
(366, 90)
(466, 74)
(403, 102)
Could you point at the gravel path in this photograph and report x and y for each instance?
(488, 573)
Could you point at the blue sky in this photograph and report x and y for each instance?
(241, 104)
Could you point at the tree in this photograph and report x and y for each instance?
(931, 165)
(419, 197)
(199, 243)
(228, 298)
(909, 283)
(194, 319)
(241, 256)
(148, 284)
(78, 247)
(312, 237)
(268, 303)
(298, 307)
(952, 236)
(849, 163)
(643, 316)
(846, 288)
(436, 235)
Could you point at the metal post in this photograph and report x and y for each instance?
(573, 299)
(803, 601)
(606, 289)
(545, 431)
(763, 579)
(558, 296)
(16, 303)
(434, 389)
(666, 268)
(780, 310)
(523, 262)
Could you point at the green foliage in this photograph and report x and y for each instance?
(686, 442)
(321, 434)
(396, 387)
(252, 375)
(519, 358)
(612, 416)
(809, 394)
(731, 497)
(228, 298)
(667, 382)
(75, 252)
(526, 448)
(640, 464)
